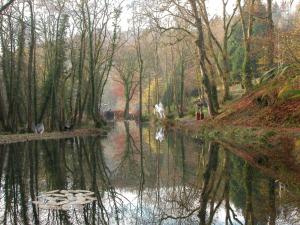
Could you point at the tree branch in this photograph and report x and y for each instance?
(5, 6)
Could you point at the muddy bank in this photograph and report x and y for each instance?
(14, 138)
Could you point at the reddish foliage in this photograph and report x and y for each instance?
(247, 112)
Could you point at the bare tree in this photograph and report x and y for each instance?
(5, 6)
(101, 49)
(187, 13)
(270, 34)
(137, 22)
(127, 66)
(222, 63)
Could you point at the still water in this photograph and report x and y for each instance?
(149, 176)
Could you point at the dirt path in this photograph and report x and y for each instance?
(14, 138)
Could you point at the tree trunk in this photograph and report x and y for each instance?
(181, 87)
(247, 33)
(202, 56)
(2, 110)
(126, 110)
(270, 55)
(18, 89)
(226, 70)
(30, 69)
(226, 88)
(78, 104)
(214, 94)
(246, 68)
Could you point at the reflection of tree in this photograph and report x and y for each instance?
(16, 207)
(248, 177)
(55, 170)
(129, 160)
(272, 202)
(164, 183)
(33, 182)
(142, 173)
(208, 183)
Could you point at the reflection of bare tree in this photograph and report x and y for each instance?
(249, 215)
(91, 157)
(173, 184)
(16, 208)
(210, 189)
(208, 184)
(56, 170)
(33, 182)
(272, 202)
(228, 208)
(130, 149)
(142, 173)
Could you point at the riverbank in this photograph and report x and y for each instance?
(14, 138)
(218, 130)
(273, 150)
(271, 111)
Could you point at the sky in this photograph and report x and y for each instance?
(214, 8)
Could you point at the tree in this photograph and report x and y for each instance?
(137, 22)
(271, 42)
(202, 56)
(126, 65)
(223, 62)
(247, 27)
(190, 22)
(31, 70)
(5, 6)
(100, 53)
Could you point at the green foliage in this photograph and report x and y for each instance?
(287, 93)
(145, 118)
(192, 111)
(272, 73)
(236, 50)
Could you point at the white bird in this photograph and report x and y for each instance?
(39, 128)
(159, 108)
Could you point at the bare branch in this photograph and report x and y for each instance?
(5, 6)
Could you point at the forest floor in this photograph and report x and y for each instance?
(14, 138)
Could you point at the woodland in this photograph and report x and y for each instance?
(61, 61)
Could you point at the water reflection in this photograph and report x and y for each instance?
(160, 136)
(139, 180)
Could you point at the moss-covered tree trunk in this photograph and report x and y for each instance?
(30, 68)
(247, 34)
(202, 56)
(271, 47)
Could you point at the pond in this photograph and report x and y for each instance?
(145, 175)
